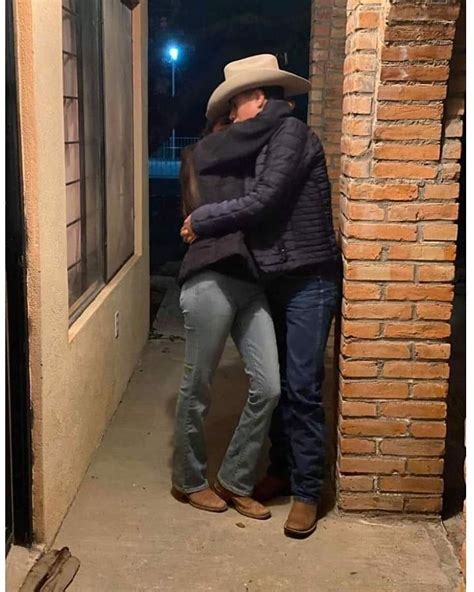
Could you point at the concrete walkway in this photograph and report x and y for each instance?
(131, 535)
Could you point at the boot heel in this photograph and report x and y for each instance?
(179, 495)
(222, 493)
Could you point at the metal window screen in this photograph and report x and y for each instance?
(118, 127)
(83, 151)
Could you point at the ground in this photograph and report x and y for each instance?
(130, 535)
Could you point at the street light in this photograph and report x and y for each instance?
(173, 53)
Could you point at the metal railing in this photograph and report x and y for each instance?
(165, 162)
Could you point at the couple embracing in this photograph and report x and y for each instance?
(264, 267)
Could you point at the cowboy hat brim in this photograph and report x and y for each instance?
(292, 84)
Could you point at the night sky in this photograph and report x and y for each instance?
(209, 34)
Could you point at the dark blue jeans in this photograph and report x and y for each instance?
(302, 309)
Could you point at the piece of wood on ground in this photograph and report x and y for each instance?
(53, 572)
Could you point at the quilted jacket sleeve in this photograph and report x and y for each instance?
(281, 169)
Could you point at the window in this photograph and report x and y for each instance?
(118, 97)
(98, 128)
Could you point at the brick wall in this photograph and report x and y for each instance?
(328, 38)
(399, 186)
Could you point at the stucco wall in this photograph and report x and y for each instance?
(78, 374)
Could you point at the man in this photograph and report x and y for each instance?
(287, 220)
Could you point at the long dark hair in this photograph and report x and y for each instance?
(190, 199)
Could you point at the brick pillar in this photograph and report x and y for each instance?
(398, 224)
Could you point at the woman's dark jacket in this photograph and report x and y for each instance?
(236, 154)
(286, 214)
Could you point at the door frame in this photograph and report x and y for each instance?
(18, 391)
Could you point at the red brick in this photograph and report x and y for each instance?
(360, 63)
(417, 330)
(454, 128)
(415, 131)
(355, 168)
(452, 149)
(445, 191)
(426, 505)
(412, 447)
(356, 483)
(362, 211)
(414, 409)
(358, 250)
(384, 191)
(432, 351)
(357, 446)
(413, 212)
(358, 369)
(422, 252)
(356, 127)
(376, 349)
(361, 41)
(408, 92)
(449, 171)
(364, 19)
(419, 292)
(375, 231)
(375, 464)
(428, 429)
(401, 53)
(365, 502)
(434, 311)
(411, 484)
(417, 73)
(430, 390)
(417, 33)
(374, 389)
(378, 310)
(430, 12)
(379, 272)
(373, 427)
(357, 104)
(436, 273)
(396, 170)
(354, 146)
(358, 409)
(360, 329)
(399, 111)
(439, 232)
(415, 370)
(362, 291)
(425, 466)
(392, 151)
(359, 83)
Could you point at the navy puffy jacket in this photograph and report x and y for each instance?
(286, 214)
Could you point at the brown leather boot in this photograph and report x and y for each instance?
(302, 520)
(205, 500)
(244, 504)
(271, 487)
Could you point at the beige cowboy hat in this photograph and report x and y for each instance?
(253, 72)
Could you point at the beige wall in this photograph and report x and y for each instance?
(77, 374)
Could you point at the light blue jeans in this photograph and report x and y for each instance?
(214, 306)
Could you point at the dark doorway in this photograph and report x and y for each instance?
(18, 455)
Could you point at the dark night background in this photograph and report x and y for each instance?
(209, 34)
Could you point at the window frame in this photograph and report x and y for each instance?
(88, 294)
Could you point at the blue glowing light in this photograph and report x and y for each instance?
(173, 53)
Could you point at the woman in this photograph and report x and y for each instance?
(221, 295)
